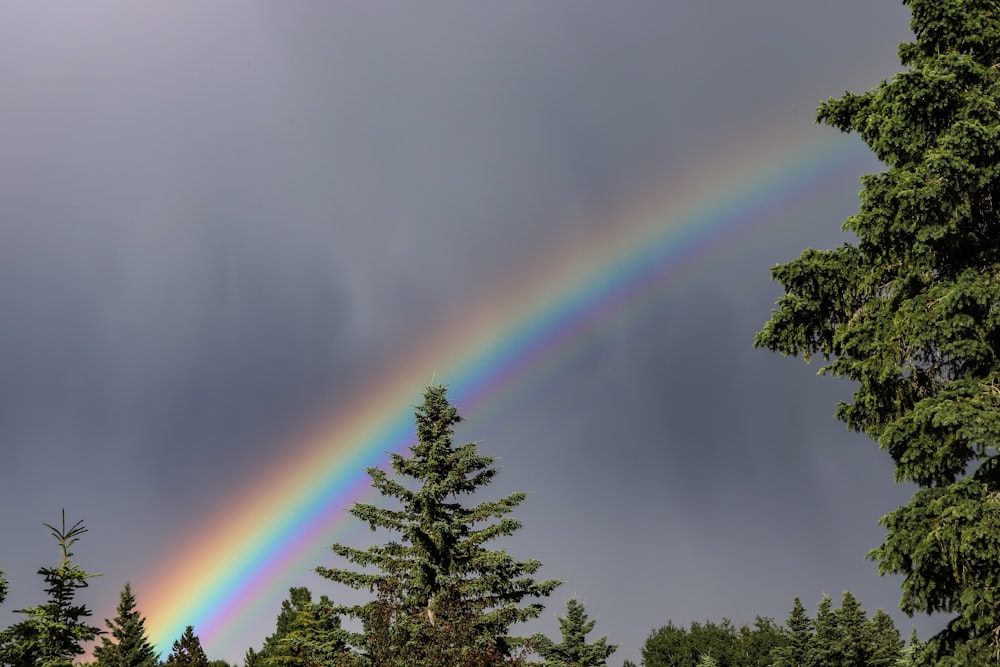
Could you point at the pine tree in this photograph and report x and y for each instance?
(799, 629)
(442, 597)
(885, 647)
(131, 647)
(3, 586)
(822, 649)
(911, 313)
(187, 651)
(850, 647)
(308, 634)
(574, 651)
(52, 633)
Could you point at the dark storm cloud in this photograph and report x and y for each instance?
(218, 219)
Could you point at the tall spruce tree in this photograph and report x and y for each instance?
(442, 597)
(187, 651)
(799, 633)
(131, 646)
(573, 650)
(911, 313)
(52, 633)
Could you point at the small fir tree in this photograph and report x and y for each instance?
(52, 633)
(574, 651)
(308, 634)
(187, 651)
(826, 639)
(799, 632)
(441, 596)
(852, 642)
(885, 647)
(131, 646)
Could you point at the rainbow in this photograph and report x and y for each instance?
(238, 567)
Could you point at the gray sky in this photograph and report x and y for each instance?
(217, 218)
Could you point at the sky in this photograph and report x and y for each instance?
(230, 228)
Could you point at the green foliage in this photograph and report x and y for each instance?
(131, 647)
(723, 643)
(911, 312)
(52, 633)
(841, 637)
(799, 629)
(187, 651)
(308, 634)
(441, 596)
(574, 651)
(3, 586)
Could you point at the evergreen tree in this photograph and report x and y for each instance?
(574, 651)
(910, 313)
(885, 647)
(668, 646)
(822, 649)
(442, 597)
(755, 644)
(131, 647)
(52, 633)
(187, 651)
(3, 586)
(746, 646)
(850, 646)
(251, 658)
(308, 634)
(799, 629)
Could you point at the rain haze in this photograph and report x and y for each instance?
(222, 220)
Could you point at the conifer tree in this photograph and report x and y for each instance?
(131, 647)
(573, 650)
(911, 314)
(826, 637)
(851, 642)
(3, 586)
(187, 651)
(52, 633)
(308, 634)
(799, 630)
(442, 597)
(885, 647)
